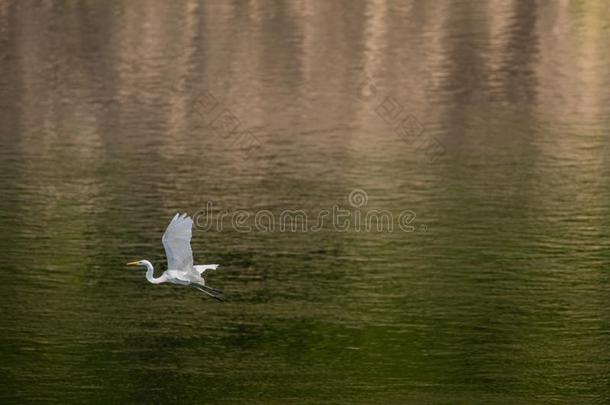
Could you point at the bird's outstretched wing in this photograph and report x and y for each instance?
(177, 243)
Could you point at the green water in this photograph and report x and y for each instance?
(488, 121)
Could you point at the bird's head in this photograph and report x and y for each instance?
(138, 263)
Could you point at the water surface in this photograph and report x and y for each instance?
(488, 120)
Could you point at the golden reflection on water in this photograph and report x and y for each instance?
(109, 125)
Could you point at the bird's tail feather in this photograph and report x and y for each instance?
(212, 292)
(201, 268)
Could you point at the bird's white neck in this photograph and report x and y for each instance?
(149, 273)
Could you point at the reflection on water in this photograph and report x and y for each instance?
(114, 117)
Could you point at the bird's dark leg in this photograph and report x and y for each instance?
(216, 295)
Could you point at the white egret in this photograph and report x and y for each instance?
(180, 269)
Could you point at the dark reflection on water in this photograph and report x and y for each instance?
(488, 119)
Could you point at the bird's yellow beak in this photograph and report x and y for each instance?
(133, 264)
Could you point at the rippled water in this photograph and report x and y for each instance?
(488, 120)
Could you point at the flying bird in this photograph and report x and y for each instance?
(180, 269)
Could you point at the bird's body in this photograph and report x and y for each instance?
(181, 270)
